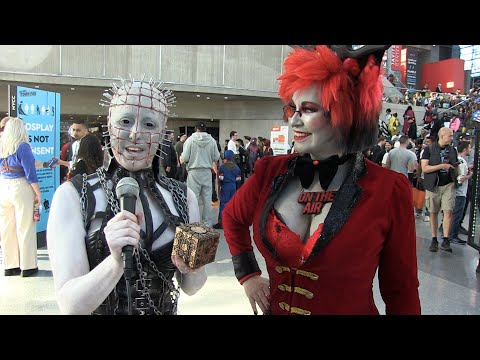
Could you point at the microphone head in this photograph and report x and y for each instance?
(127, 186)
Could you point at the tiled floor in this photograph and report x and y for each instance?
(448, 285)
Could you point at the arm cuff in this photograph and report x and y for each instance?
(245, 278)
(245, 265)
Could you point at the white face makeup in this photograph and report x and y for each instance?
(313, 132)
(136, 123)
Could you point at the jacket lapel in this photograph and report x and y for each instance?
(345, 200)
(278, 184)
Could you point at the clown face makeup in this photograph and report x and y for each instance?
(136, 122)
(311, 126)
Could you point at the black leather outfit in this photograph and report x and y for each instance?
(161, 288)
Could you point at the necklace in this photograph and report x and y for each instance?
(314, 200)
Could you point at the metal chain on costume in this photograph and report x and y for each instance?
(83, 199)
(177, 194)
(117, 302)
(110, 196)
(166, 210)
(174, 291)
(116, 209)
(179, 198)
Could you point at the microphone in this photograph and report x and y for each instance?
(127, 191)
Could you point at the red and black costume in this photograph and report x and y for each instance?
(333, 271)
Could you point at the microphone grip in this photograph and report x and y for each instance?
(128, 261)
(128, 203)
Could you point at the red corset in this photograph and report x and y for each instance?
(287, 244)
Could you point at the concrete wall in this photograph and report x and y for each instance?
(228, 69)
(252, 118)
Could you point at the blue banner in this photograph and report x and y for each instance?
(40, 110)
(411, 73)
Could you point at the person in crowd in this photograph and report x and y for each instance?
(181, 168)
(455, 126)
(439, 161)
(248, 139)
(466, 137)
(408, 121)
(425, 91)
(379, 150)
(427, 116)
(229, 175)
(214, 171)
(77, 131)
(19, 196)
(89, 156)
(383, 124)
(267, 149)
(253, 155)
(421, 176)
(232, 144)
(38, 164)
(464, 175)
(463, 118)
(87, 228)
(402, 159)
(3, 122)
(435, 125)
(168, 156)
(199, 153)
(388, 147)
(242, 164)
(309, 209)
(388, 115)
(65, 151)
(393, 124)
(261, 145)
(412, 130)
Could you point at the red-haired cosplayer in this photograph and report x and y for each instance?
(316, 213)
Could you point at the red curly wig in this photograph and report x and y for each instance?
(350, 92)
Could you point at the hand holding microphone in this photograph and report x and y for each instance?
(123, 231)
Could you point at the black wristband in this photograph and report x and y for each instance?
(45, 164)
(244, 264)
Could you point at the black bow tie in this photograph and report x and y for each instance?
(305, 169)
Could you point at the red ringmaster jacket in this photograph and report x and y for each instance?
(370, 226)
